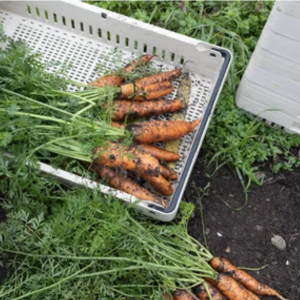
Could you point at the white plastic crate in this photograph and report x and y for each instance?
(275, 64)
(291, 8)
(270, 87)
(86, 35)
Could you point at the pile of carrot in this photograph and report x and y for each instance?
(142, 160)
(231, 283)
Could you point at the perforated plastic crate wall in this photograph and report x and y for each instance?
(86, 35)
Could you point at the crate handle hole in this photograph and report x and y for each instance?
(213, 54)
(37, 11)
(104, 15)
(152, 212)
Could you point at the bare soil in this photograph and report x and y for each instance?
(244, 237)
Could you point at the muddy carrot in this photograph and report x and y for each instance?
(114, 79)
(123, 183)
(159, 153)
(140, 109)
(159, 184)
(202, 294)
(149, 92)
(156, 131)
(165, 76)
(116, 155)
(231, 288)
(168, 173)
(220, 264)
(182, 295)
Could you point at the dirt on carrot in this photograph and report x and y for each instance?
(157, 131)
(159, 153)
(202, 294)
(159, 184)
(149, 92)
(125, 108)
(231, 288)
(182, 295)
(116, 155)
(222, 265)
(168, 173)
(165, 76)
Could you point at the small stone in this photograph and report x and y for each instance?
(227, 249)
(219, 234)
(287, 263)
(258, 228)
(206, 231)
(279, 242)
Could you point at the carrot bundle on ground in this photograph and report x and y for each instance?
(125, 108)
(157, 131)
(149, 92)
(114, 79)
(159, 153)
(202, 294)
(222, 265)
(123, 183)
(165, 76)
(116, 155)
(231, 288)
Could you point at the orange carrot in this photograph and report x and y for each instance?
(116, 155)
(202, 294)
(123, 183)
(114, 79)
(149, 92)
(117, 125)
(159, 183)
(140, 109)
(231, 289)
(168, 173)
(220, 264)
(159, 153)
(165, 76)
(182, 295)
(156, 131)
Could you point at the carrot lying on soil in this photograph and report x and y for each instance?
(156, 131)
(159, 184)
(165, 76)
(202, 294)
(231, 288)
(159, 153)
(116, 155)
(140, 109)
(123, 183)
(220, 264)
(182, 295)
(114, 79)
(149, 92)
